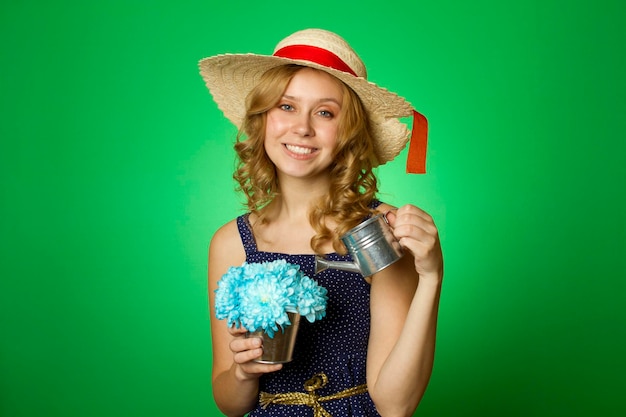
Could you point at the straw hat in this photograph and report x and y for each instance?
(230, 77)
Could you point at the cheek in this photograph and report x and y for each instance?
(330, 134)
(274, 124)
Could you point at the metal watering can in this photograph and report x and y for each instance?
(372, 246)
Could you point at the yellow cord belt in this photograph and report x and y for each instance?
(310, 398)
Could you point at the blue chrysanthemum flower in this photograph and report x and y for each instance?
(264, 304)
(227, 296)
(259, 296)
(311, 299)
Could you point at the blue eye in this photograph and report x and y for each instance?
(286, 107)
(326, 113)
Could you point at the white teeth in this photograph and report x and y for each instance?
(299, 150)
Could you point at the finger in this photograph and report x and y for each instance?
(416, 228)
(390, 217)
(242, 344)
(234, 331)
(246, 349)
(247, 355)
(255, 368)
(421, 249)
(426, 252)
(411, 210)
(419, 238)
(411, 215)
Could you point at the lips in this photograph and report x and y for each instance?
(300, 150)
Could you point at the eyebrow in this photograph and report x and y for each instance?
(321, 100)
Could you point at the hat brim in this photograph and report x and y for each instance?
(231, 77)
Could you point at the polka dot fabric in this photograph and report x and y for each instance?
(335, 345)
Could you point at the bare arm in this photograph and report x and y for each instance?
(235, 376)
(404, 307)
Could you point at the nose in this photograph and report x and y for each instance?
(302, 125)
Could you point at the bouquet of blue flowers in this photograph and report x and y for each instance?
(258, 296)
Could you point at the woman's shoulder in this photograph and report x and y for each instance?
(226, 244)
(227, 231)
(384, 207)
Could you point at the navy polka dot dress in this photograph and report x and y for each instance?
(335, 345)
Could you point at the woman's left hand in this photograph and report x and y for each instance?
(417, 233)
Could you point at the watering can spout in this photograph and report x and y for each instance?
(322, 264)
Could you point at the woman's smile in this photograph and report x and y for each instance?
(300, 150)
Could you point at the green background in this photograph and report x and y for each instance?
(116, 170)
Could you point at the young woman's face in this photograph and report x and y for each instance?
(301, 132)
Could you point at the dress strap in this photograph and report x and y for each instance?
(245, 233)
(375, 203)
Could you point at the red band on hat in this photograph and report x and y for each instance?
(416, 160)
(314, 54)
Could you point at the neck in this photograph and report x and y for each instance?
(297, 196)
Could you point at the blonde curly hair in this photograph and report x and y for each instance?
(353, 185)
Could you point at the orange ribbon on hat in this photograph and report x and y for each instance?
(416, 159)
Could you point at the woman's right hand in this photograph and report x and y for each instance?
(245, 351)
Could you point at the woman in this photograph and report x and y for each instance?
(311, 130)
